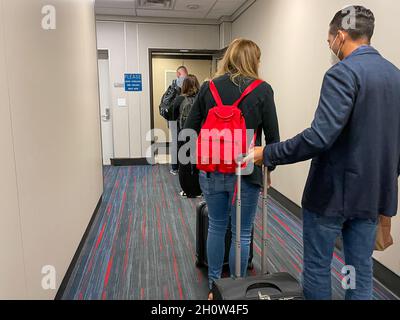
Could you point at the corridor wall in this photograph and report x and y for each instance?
(293, 35)
(12, 274)
(51, 166)
(129, 44)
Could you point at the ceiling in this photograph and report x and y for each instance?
(192, 9)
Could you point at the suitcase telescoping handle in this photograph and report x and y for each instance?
(264, 248)
(238, 221)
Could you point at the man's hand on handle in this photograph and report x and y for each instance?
(256, 155)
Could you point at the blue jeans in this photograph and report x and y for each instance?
(320, 234)
(218, 190)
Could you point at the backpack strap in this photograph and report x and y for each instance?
(248, 90)
(215, 94)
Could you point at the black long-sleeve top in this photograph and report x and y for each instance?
(176, 107)
(258, 109)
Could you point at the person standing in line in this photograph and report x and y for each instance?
(168, 100)
(188, 174)
(238, 71)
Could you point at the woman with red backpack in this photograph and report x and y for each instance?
(235, 100)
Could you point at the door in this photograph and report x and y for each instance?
(164, 72)
(105, 107)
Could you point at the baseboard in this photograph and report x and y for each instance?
(287, 203)
(123, 162)
(381, 273)
(67, 277)
(387, 277)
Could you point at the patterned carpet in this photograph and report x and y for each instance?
(142, 243)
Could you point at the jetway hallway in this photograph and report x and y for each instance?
(142, 243)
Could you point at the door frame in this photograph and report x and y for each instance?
(111, 102)
(175, 54)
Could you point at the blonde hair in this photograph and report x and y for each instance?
(241, 59)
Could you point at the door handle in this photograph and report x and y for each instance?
(106, 116)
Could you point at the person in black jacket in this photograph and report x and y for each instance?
(238, 69)
(168, 100)
(354, 142)
(190, 89)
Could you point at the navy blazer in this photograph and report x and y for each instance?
(354, 140)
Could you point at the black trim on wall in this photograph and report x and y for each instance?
(180, 56)
(123, 162)
(387, 277)
(183, 51)
(381, 273)
(286, 202)
(151, 90)
(71, 267)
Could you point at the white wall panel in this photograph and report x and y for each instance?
(12, 274)
(293, 37)
(132, 56)
(54, 103)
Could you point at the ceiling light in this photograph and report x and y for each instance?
(156, 4)
(193, 6)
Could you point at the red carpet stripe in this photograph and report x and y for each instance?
(111, 260)
(128, 238)
(99, 239)
(338, 258)
(144, 227)
(115, 262)
(199, 276)
(166, 294)
(175, 264)
(159, 228)
(107, 277)
(186, 235)
(285, 226)
(134, 186)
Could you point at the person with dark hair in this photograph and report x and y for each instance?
(357, 21)
(188, 174)
(168, 100)
(181, 110)
(354, 142)
(356, 24)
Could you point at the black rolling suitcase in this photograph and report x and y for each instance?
(201, 239)
(279, 286)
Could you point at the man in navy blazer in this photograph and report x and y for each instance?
(354, 142)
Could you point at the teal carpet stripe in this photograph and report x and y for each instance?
(141, 245)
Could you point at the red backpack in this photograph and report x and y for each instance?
(223, 136)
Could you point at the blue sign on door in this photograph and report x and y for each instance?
(133, 82)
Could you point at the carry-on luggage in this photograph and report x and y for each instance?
(201, 239)
(279, 286)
